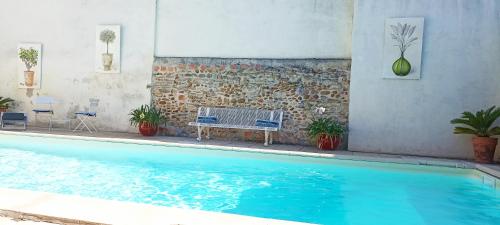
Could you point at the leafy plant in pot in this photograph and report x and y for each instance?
(325, 131)
(147, 118)
(4, 104)
(30, 59)
(107, 36)
(480, 124)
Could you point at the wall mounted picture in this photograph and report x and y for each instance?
(29, 66)
(403, 48)
(107, 58)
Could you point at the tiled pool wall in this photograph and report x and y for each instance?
(488, 179)
(181, 85)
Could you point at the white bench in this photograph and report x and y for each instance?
(239, 118)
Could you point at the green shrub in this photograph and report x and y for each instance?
(146, 114)
(4, 102)
(325, 126)
(479, 124)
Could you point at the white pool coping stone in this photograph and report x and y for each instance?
(49, 207)
(70, 209)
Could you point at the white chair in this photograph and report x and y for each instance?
(86, 117)
(45, 106)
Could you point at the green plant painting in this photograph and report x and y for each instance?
(403, 41)
(402, 34)
(29, 57)
(107, 49)
(107, 36)
(29, 60)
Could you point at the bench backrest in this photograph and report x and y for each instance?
(241, 116)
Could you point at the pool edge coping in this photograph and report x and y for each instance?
(65, 209)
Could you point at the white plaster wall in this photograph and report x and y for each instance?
(254, 29)
(460, 71)
(67, 31)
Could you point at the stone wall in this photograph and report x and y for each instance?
(181, 85)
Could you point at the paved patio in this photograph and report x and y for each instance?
(10, 221)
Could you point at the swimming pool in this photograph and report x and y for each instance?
(314, 190)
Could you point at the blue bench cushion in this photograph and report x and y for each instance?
(43, 111)
(13, 116)
(266, 123)
(86, 113)
(207, 119)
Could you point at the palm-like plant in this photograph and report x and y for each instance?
(146, 114)
(326, 126)
(479, 124)
(4, 102)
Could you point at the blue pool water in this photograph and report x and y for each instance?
(323, 191)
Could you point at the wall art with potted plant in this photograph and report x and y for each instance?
(29, 57)
(107, 58)
(403, 48)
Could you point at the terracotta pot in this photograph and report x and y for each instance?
(107, 61)
(29, 78)
(147, 129)
(484, 149)
(327, 142)
(3, 109)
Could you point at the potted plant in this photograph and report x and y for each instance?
(30, 59)
(326, 132)
(4, 104)
(147, 118)
(107, 36)
(480, 125)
